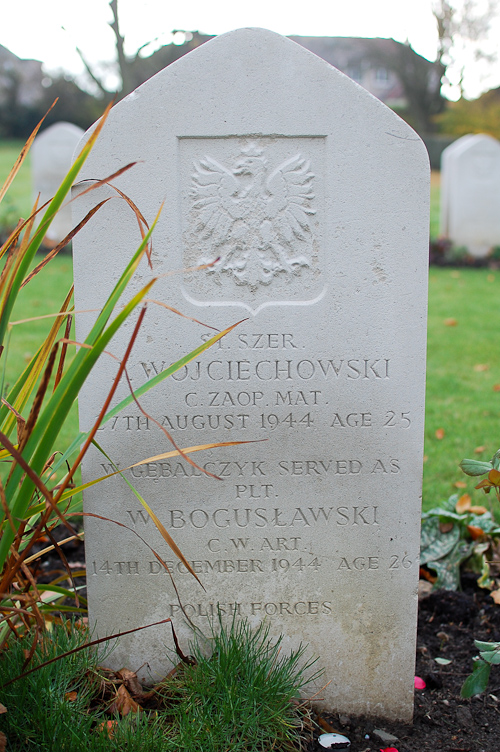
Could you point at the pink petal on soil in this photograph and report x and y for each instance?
(419, 683)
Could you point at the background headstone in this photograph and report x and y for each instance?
(314, 198)
(470, 193)
(51, 158)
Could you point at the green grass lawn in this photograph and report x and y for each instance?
(18, 199)
(463, 367)
(41, 297)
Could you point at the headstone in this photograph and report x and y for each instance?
(51, 158)
(470, 193)
(309, 198)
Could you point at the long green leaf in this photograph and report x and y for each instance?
(39, 234)
(49, 423)
(80, 438)
(477, 681)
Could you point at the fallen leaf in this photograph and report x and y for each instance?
(426, 575)
(124, 703)
(445, 527)
(475, 532)
(443, 636)
(460, 484)
(3, 742)
(478, 510)
(463, 504)
(426, 457)
(442, 661)
(479, 449)
(419, 683)
(108, 726)
(3, 709)
(496, 596)
(71, 696)
(133, 685)
(450, 322)
(481, 367)
(496, 387)
(440, 433)
(326, 726)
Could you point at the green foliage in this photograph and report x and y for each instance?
(478, 680)
(38, 716)
(489, 652)
(455, 534)
(41, 714)
(480, 115)
(241, 697)
(489, 655)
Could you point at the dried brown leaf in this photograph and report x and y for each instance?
(475, 532)
(479, 449)
(131, 681)
(3, 709)
(479, 367)
(478, 510)
(460, 484)
(326, 726)
(445, 527)
(70, 696)
(463, 504)
(124, 703)
(450, 322)
(3, 742)
(440, 434)
(108, 726)
(496, 596)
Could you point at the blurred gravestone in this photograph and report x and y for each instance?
(51, 158)
(470, 193)
(310, 199)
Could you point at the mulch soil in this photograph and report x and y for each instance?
(448, 624)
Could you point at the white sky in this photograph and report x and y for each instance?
(33, 28)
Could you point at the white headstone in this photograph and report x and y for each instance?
(314, 197)
(470, 193)
(51, 158)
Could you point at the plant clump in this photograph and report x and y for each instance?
(237, 691)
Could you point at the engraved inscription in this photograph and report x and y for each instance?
(274, 566)
(252, 217)
(262, 517)
(293, 468)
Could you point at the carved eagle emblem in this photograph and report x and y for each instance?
(256, 221)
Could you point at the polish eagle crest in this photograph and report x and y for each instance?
(253, 223)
